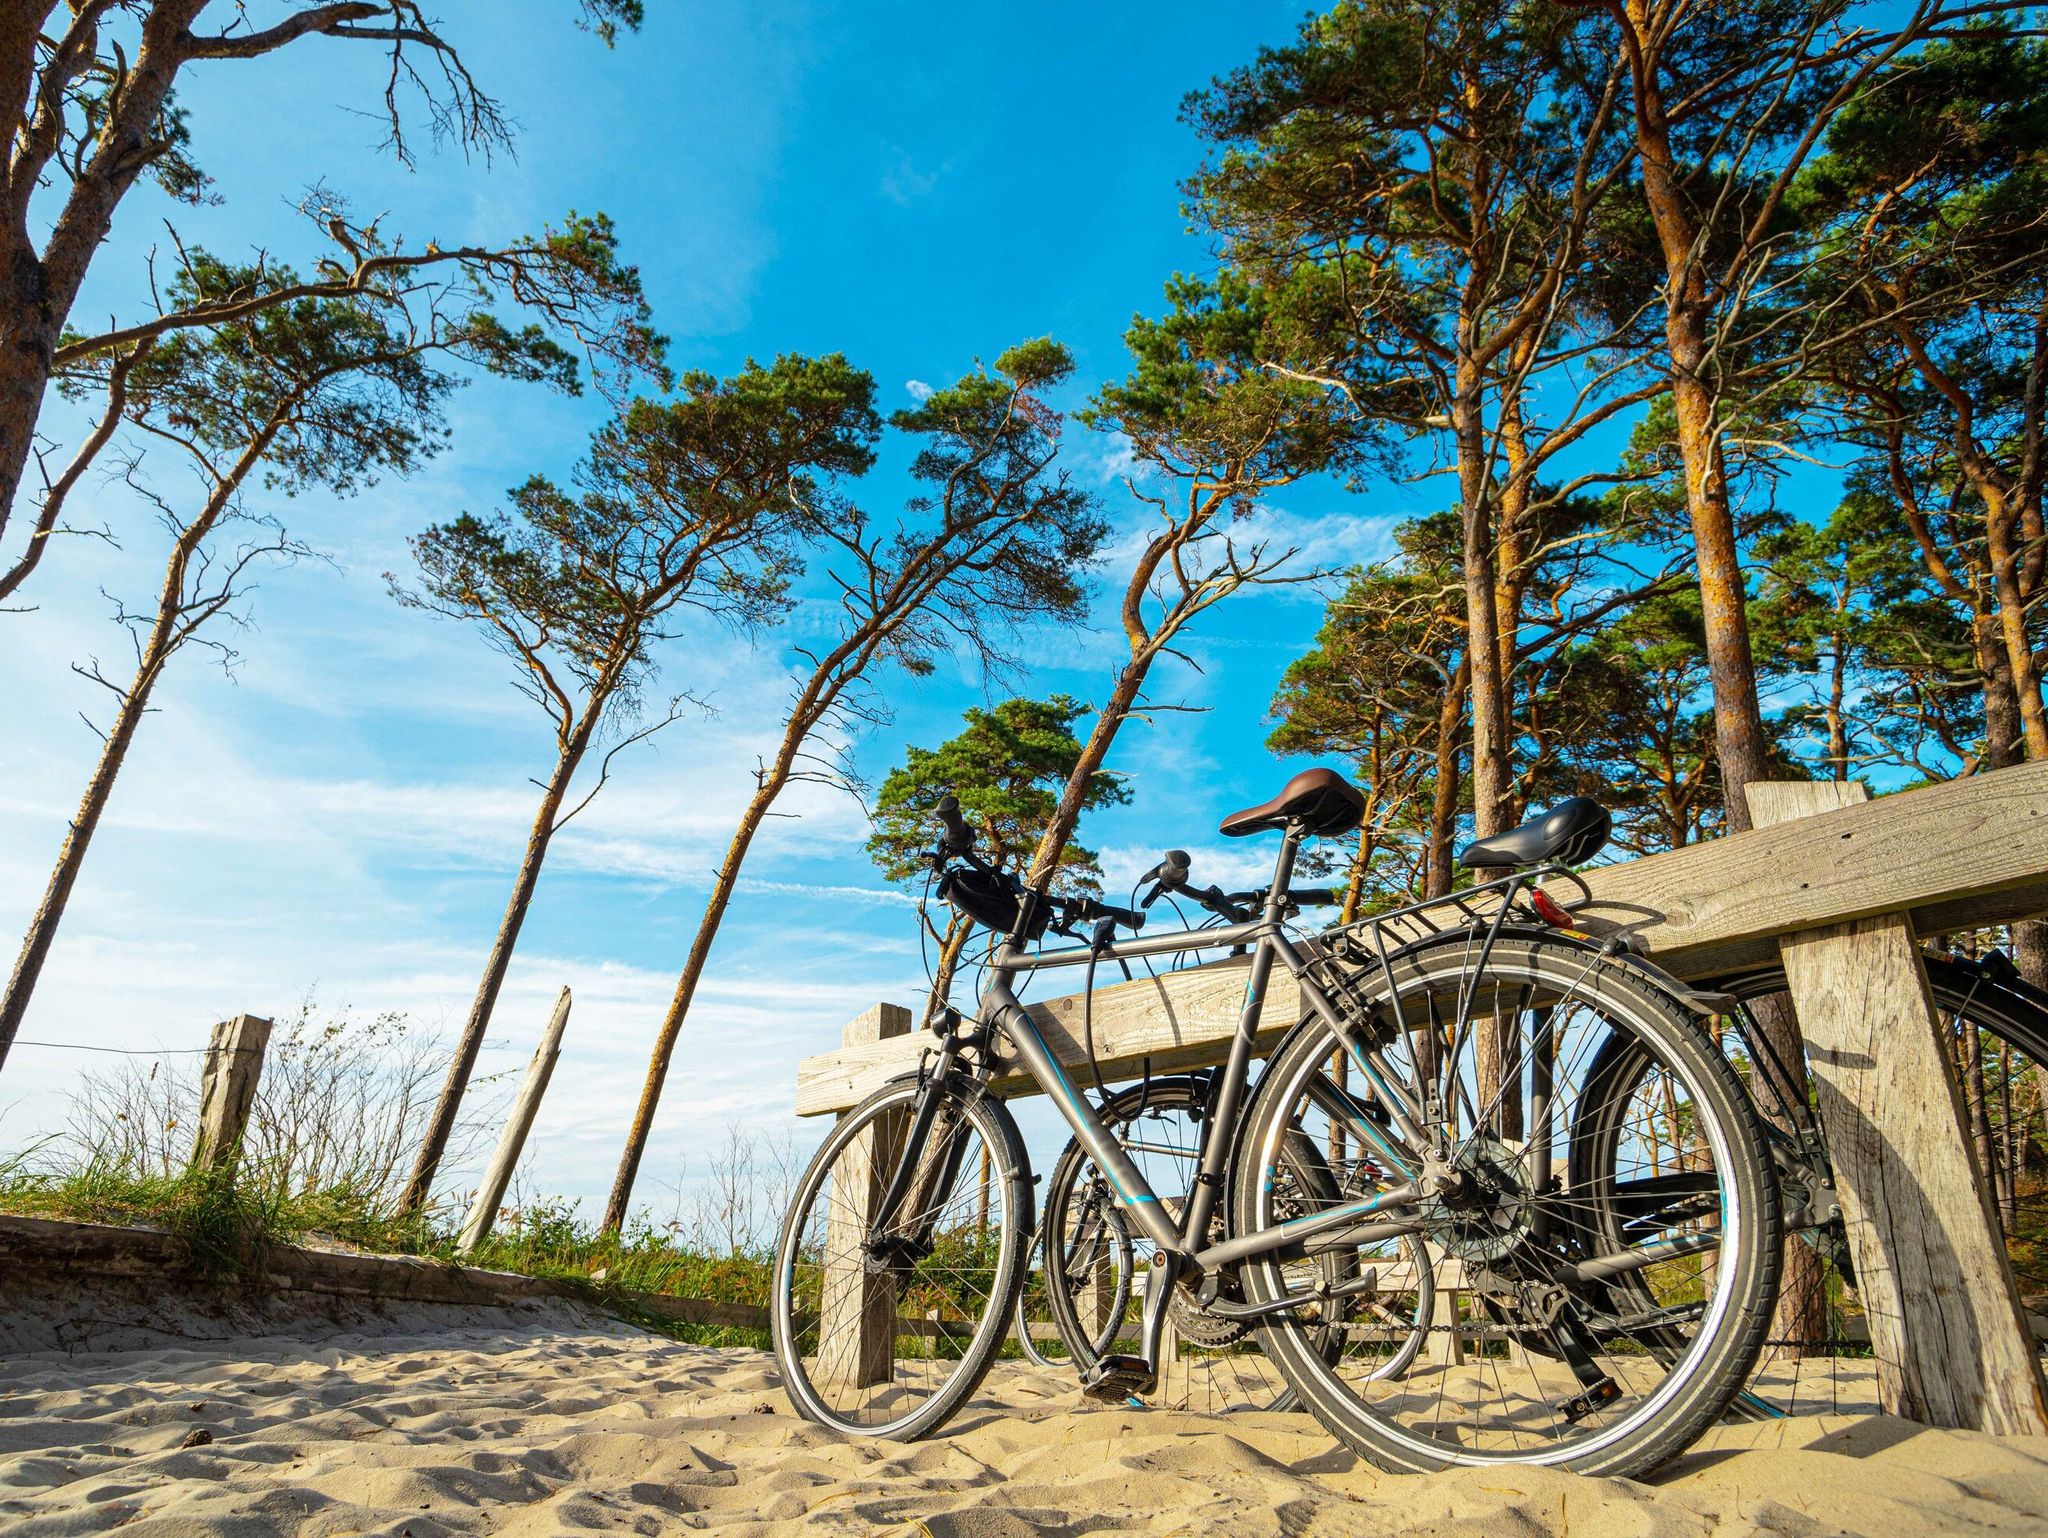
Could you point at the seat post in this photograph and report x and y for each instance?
(1283, 869)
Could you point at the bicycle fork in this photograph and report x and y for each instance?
(921, 1168)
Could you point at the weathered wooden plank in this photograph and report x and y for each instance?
(1177, 1020)
(483, 1211)
(1952, 856)
(1974, 849)
(1950, 1337)
(227, 1088)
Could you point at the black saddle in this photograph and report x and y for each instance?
(1321, 800)
(1570, 833)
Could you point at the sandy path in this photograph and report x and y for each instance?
(557, 1425)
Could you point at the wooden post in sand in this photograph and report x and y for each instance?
(1446, 1337)
(227, 1089)
(1952, 1344)
(483, 1212)
(857, 1313)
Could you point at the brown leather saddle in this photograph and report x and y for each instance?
(1321, 800)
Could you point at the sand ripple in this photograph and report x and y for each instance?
(559, 1425)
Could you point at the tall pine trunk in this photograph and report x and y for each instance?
(49, 914)
(1490, 748)
(441, 1125)
(722, 887)
(1738, 717)
(1739, 739)
(1492, 773)
(1443, 810)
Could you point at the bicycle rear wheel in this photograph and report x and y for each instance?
(1997, 1032)
(1534, 1362)
(1039, 1338)
(886, 1330)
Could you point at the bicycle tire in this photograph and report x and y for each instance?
(881, 1117)
(1736, 1315)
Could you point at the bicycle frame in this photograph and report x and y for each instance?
(1268, 942)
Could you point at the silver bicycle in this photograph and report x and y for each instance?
(1414, 1132)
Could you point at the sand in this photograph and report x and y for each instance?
(547, 1420)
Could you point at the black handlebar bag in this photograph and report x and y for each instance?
(992, 901)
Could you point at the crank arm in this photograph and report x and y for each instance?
(1223, 1308)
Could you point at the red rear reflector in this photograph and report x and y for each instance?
(1547, 909)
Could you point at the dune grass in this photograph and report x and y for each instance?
(225, 1219)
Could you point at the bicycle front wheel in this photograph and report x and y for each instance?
(1534, 1356)
(886, 1328)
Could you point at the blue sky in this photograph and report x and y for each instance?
(915, 186)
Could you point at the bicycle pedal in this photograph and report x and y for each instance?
(1115, 1379)
(1579, 1406)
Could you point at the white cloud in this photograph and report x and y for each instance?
(257, 845)
(904, 184)
(1329, 540)
(1236, 866)
(919, 390)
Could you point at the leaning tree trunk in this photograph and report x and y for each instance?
(1052, 844)
(42, 928)
(172, 626)
(951, 944)
(722, 887)
(37, 292)
(441, 1125)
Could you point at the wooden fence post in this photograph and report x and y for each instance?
(1952, 1344)
(227, 1089)
(483, 1211)
(857, 1312)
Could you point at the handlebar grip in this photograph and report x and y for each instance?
(1128, 917)
(1318, 897)
(959, 837)
(1169, 875)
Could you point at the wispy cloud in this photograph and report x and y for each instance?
(904, 183)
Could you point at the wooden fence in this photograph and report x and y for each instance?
(1842, 889)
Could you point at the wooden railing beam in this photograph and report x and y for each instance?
(1948, 857)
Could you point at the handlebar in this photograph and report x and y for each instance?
(1236, 907)
(958, 837)
(1169, 875)
(1087, 910)
(957, 841)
